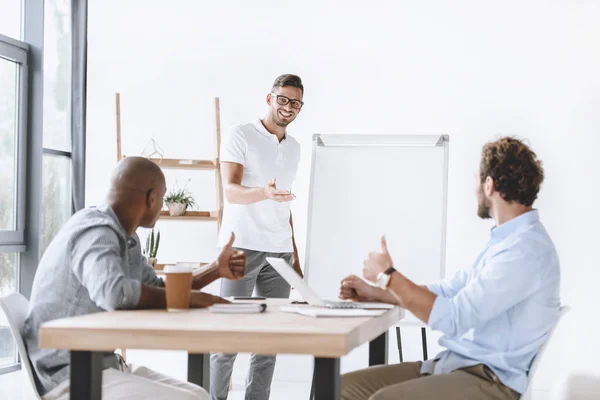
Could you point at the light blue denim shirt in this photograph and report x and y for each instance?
(500, 311)
(92, 265)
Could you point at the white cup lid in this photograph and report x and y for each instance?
(177, 269)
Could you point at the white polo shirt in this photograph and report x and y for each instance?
(263, 226)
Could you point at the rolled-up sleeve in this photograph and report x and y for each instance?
(149, 276)
(96, 263)
(507, 278)
(449, 287)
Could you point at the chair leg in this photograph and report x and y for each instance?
(424, 340)
(312, 385)
(399, 340)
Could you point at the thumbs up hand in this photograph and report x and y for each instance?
(377, 262)
(231, 262)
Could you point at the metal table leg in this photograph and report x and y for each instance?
(86, 375)
(326, 382)
(378, 350)
(199, 370)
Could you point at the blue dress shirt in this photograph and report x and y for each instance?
(500, 311)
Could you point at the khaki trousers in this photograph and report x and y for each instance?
(404, 381)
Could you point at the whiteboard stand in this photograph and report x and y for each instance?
(344, 221)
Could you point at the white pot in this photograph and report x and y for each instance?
(152, 261)
(176, 209)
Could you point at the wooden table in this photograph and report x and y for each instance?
(201, 332)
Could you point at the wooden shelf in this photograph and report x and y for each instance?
(172, 163)
(193, 215)
(160, 267)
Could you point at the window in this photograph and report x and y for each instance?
(10, 18)
(56, 196)
(9, 76)
(57, 75)
(8, 284)
(13, 113)
(42, 137)
(56, 165)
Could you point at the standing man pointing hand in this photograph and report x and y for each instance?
(259, 161)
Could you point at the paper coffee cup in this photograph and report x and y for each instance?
(179, 287)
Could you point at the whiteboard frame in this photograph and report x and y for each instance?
(351, 140)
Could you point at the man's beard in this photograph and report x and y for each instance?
(483, 209)
(278, 122)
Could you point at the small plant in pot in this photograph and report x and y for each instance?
(151, 249)
(179, 201)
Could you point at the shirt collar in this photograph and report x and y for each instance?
(111, 213)
(258, 125)
(506, 229)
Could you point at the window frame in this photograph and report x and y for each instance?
(15, 51)
(30, 142)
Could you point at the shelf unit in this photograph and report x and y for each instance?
(188, 164)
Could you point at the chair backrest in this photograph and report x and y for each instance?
(15, 306)
(539, 358)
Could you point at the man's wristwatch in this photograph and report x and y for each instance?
(383, 279)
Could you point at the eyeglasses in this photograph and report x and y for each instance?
(282, 101)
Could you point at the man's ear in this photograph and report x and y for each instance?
(269, 98)
(151, 198)
(489, 186)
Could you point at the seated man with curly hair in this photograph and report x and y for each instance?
(495, 316)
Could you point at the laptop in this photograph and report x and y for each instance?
(287, 272)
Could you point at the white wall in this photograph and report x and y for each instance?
(469, 68)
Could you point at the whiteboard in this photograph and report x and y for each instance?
(365, 186)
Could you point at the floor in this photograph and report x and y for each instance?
(11, 386)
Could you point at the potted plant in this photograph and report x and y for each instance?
(152, 247)
(179, 200)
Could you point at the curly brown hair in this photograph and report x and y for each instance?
(515, 169)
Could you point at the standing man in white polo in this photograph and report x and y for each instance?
(259, 161)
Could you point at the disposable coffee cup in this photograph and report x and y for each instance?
(179, 287)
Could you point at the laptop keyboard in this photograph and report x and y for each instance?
(340, 304)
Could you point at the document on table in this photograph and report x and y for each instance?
(330, 312)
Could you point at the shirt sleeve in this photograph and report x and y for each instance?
(234, 147)
(149, 276)
(97, 264)
(449, 287)
(507, 278)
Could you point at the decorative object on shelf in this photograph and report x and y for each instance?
(179, 200)
(152, 247)
(153, 150)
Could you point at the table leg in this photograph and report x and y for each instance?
(86, 375)
(199, 370)
(378, 350)
(327, 379)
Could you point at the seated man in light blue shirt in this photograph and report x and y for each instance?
(95, 264)
(495, 316)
